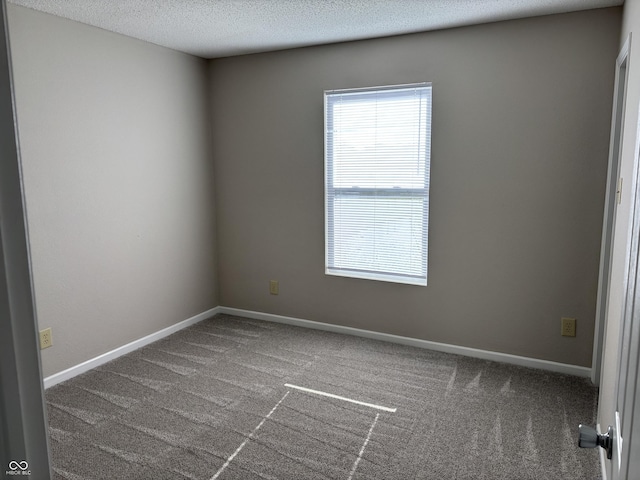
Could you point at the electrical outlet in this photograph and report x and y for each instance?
(273, 287)
(45, 338)
(568, 328)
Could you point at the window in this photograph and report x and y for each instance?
(377, 157)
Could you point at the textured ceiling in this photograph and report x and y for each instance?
(221, 28)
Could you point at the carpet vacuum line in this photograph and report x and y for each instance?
(338, 397)
(226, 464)
(323, 394)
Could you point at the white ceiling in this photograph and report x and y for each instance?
(221, 28)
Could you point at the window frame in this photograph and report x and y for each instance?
(331, 192)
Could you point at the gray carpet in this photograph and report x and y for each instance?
(210, 402)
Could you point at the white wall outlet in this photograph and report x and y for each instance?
(568, 328)
(45, 338)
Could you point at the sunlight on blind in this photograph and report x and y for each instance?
(377, 155)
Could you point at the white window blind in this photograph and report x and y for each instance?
(377, 157)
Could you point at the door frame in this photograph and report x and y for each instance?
(611, 201)
(626, 448)
(23, 421)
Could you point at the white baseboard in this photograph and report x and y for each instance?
(414, 342)
(129, 347)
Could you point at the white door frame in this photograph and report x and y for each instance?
(23, 422)
(625, 461)
(611, 202)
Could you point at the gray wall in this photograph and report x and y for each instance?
(521, 115)
(115, 138)
(117, 146)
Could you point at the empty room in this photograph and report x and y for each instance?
(299, 239)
